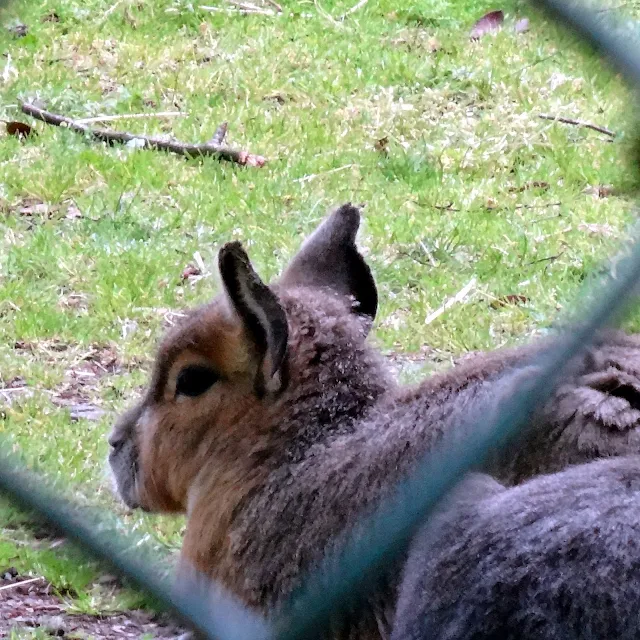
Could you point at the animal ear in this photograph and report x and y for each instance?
(330, 259)
(260, 312)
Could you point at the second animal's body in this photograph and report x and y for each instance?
(556, 558)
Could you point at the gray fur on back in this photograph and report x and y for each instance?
(308, 506)
(555, 558)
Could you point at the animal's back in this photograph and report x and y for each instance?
(594, 412)
(557, 557)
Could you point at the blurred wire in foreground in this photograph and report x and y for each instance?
(212, 613)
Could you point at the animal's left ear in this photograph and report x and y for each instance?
(330, 259)
(261, 314)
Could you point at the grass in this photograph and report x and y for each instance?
(393, 107)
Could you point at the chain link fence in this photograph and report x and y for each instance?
(345, 577)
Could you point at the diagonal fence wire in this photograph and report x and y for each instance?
(346, 576)
(211, 613)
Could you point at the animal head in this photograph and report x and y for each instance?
(256, 375)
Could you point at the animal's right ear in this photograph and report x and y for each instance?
(261, 314)
(330, 259)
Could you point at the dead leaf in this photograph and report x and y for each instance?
(77, 301)
(522, 26)
(433, 44)
(19, 129)
(190, 271)
(18, 30)
(85, 411)
(489, 23)
(15, 383)
(381, 145)
(103, 360)
(598, 229)
(278, 97)
(73, 213)
(33, 207)
(599, 191)
(52, 16)
(535, 184)
(513, 299)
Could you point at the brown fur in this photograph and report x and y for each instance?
(275, 463)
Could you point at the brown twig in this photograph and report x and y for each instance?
(120, 137)
(547, 259)
(579, 123)
(445, 207)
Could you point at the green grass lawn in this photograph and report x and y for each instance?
(393, 107)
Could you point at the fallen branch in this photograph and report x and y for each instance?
(212, 148)
(579, 123)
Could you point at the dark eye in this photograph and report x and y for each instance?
(194, 380)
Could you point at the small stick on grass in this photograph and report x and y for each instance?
(313, 176)
(14, 585)
(547, 259)
(353, 9)
(241, 7)
(131, 116)
(579, 123)
(210, 148)
(250, 8)
(459, 297)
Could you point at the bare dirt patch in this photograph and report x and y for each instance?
(31, 603)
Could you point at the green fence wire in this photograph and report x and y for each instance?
(214, 615)
(346, 577)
